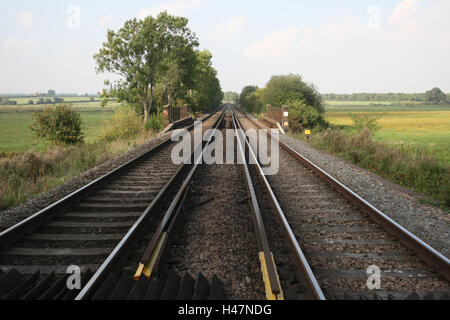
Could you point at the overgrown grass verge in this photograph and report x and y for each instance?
(28, 174)
(410, 166)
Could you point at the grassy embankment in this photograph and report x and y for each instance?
(411, 147)
(29, 166)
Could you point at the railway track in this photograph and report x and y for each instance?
(146, 273)
(216, 235)
(139, 267)
(134, 269)
(337, 237)
(83, 228)
(314, 238)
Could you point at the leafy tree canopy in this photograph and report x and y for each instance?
(138, 52)
(207, 93)
(282, 89)
(245, 92)
(435, 96)
(302, 116)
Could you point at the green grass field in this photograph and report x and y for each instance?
(332, 103)
(15, 135)
(25, 100)
(424, 126)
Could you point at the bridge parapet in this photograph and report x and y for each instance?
(173, 114)
(278, 114)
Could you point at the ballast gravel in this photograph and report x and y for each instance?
(429, 223)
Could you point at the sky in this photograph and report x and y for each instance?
(340, 46)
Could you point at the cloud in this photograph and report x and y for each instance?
(175, 8)
(346, 54)
(276, 44)
(231, 29)
(25, 20)
(349, 26)
(105, 22)
(406, 16)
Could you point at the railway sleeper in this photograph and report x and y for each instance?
(170, 287)
(17, 286)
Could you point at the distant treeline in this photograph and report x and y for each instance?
(8, 102)
(433, 96)
(25, 95)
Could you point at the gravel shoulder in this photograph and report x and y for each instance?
(429, 223)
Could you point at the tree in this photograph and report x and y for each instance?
(175, 76)
(435, 96)
(253, 102)
(136, 53)
(282, 89)
(231, 97)
(60, 125)
(207, 93)
(303, 116)
(243, 96)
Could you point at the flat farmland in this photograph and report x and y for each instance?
(25, 100)
(427, 127)
(15, 135)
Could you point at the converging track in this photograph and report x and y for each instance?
(337, 237)
(152, 230)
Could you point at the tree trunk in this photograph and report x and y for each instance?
(169, 98)
(151, 99)
(145, 111)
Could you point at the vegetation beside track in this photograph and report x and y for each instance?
(405, 141)
(425, 129)
(159, 64)
(411, 147)
(24, 174)
(15, 122)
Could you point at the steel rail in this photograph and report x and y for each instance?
(263, 242)
(175, 202)
(314, 287)
(18, 230)
(29, 224)
(428, 254)
(107, 266)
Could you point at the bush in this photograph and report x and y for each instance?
(282, 89)
(59, 125)
(124, 125)
(366, 121)
(302, 116)
(155, 122)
